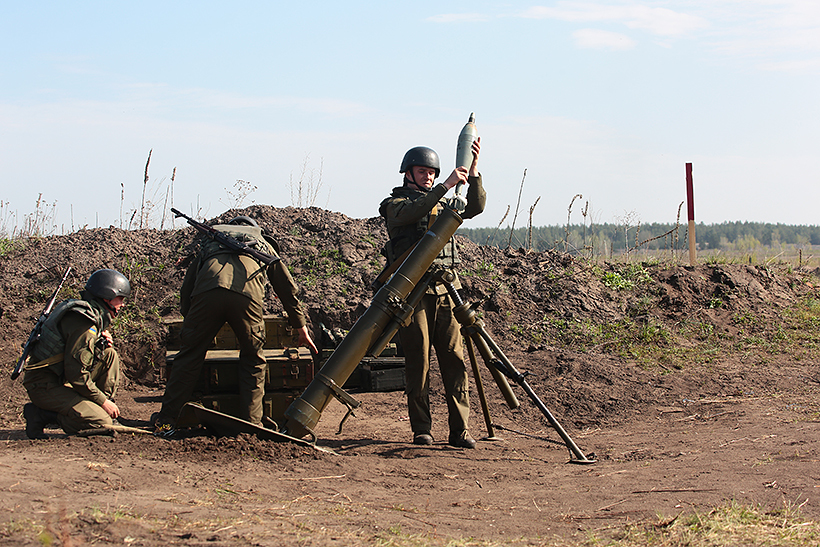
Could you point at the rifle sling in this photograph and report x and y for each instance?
(45, 362)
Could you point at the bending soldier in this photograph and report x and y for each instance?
(74, 370)
(408, 212)
(224, 286)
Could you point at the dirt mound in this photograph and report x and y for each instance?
(691, 385)
(567, 322)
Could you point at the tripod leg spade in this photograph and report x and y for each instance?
(506, 367)
(473, 329)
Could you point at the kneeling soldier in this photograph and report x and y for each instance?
(74, 370)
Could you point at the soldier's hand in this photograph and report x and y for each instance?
(458, 175)
(111, 408)
(476, 151)
(305, 340)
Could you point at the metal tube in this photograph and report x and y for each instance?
(480, 388)
(398, 319)
(580, 457)
(388, 303)
(486, 354)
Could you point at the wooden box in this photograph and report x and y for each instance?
(288, 368)
(278, 334)
(382, 374)
(274, 404)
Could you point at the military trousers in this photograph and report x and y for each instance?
(433, 324)
(208, 313)
(75, 412)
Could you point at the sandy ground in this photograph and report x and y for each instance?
(142, 490)
(735, 418)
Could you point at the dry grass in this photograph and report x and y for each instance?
(729, 524)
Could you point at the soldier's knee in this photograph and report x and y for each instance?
(85, 415)
(110, 356)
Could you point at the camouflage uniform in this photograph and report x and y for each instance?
(83, 371)
(222, 286)
(407, 213)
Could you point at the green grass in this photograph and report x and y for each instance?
(638, 337)
(9, 246)
(484, 270)
(731, 523)
(328, 263)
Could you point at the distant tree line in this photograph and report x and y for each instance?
(606, 239)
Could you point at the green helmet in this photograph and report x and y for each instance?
(243, 220)
(422, 156)
(108, 284)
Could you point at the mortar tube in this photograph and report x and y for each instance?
(401, 316)
(304, 413)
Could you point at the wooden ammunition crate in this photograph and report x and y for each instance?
(278, 334)
(292, 368)
(288, 368)
(382, 374)
(274, 403)
(378, 374)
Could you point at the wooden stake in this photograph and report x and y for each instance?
(690, 198)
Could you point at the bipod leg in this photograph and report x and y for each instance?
(471, 333)
(480, 387)
(506, 367)
(469, 321)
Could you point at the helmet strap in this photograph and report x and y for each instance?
(410, 178)
(110, 308)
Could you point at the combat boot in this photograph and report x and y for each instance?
(461, 440)
(36, 420)
(424, 439)
(163, 427)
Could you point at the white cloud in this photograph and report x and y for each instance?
(764, 28)
(655, 20)
(807, 65)
(774, 34)
(157, 95)
(215, 99)
(590, 38)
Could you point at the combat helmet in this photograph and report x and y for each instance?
(108, 284)
(422, 156)
(243, 220)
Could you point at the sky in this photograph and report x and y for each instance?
(604, 99)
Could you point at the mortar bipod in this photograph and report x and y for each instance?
(494, 358)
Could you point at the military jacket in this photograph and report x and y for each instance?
(218, 266)
(407, 214)
(73, 328)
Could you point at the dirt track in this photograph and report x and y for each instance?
(243, 491)
(739, 423)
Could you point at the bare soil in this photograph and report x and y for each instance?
(734, 418)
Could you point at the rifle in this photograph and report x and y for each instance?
(38, 328)
(228, 241)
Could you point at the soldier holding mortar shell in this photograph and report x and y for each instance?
(409, 211)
